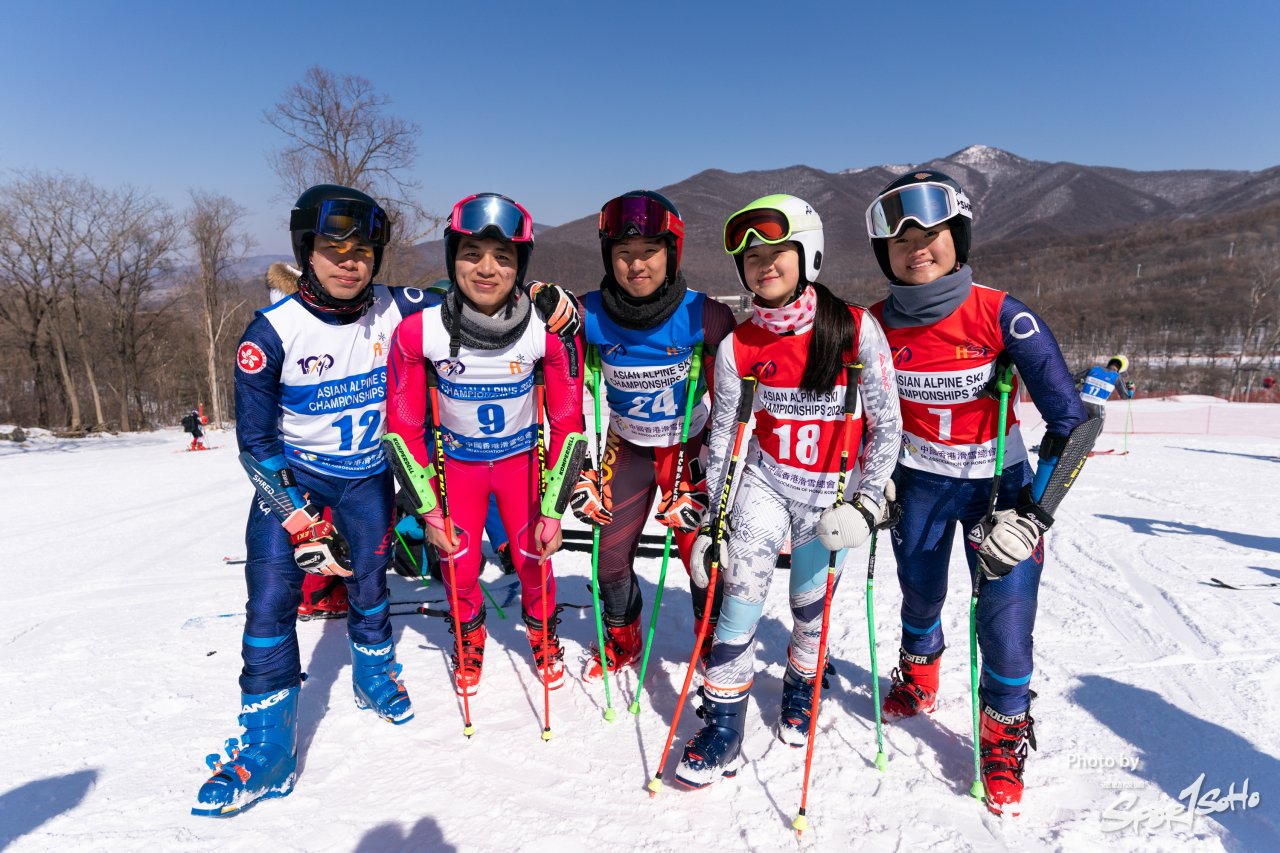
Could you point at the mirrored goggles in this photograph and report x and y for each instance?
(641, 216)
(344, 219)
(927, 205)
(768, 224)
(477, 213)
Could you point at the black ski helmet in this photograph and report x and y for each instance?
(960, 224)
(304, 220)
(615, 224)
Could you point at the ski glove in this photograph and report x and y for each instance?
(557, 307)
(590, 502)
(849, 523)
(1010, 537)
(318, 547)
(685, 509)
(700, 557)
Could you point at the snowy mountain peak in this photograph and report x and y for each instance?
(984, 156)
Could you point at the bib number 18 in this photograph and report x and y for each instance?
(806, 443)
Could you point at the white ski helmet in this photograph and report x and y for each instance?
(777, 219)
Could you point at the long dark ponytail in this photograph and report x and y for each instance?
(831, 343)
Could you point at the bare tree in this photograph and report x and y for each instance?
(131, 251)
(43, 239)
(339, 131)
(1261, 317)
(211, 224)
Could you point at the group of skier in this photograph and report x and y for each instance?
(862, 416)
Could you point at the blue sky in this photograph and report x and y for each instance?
(562, 105)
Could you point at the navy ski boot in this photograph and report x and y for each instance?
(797, 703)
(714, 752)
(374, 678)
(262, 764)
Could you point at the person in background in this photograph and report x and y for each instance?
(1098, 383)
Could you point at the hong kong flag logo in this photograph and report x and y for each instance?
(250, 358)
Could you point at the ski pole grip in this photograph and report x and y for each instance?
(748, 399)
(695, 364)
(853, 373)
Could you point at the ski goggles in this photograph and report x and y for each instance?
(478, 213)
(344, 219)
(927, 204)
(641, 216)
(768, 224)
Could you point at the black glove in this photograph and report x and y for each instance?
(558, 308)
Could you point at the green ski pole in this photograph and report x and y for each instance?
(593, 364)
(881, 761)
(695, 376)
(1004, 380)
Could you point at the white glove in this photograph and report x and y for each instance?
(848, 524)
(1010, 539)
(700, 558)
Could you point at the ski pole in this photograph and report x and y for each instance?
(434, 391)
(745, 405)
(881, 761)
(1128, 421)
(695, 371)
(1004, 384)
(539, 384)
(852, 374)
(593, 362)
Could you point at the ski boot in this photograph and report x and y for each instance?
(375, 680)
(505, 562)
(1003, 742)
(548, 654)
(622, 646)
(466, 673)
(262, 763)
(797, 703)
(915, 686)
(715, 751)
(323, 597)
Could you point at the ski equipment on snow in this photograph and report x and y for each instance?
(745, 406)
(695, 372)
(853, 373)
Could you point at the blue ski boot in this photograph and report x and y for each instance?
(714, 752)
(374, 678)
(797, 702)
(262, 764)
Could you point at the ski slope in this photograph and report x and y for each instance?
(119, 653)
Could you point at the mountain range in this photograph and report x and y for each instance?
(1015, 201)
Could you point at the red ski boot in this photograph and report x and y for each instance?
(466, 673)
(548, 654)
(323, 597)
(622, 647)
(915, 686)
(1003, 741)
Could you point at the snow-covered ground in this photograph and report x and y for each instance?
(120, 640)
